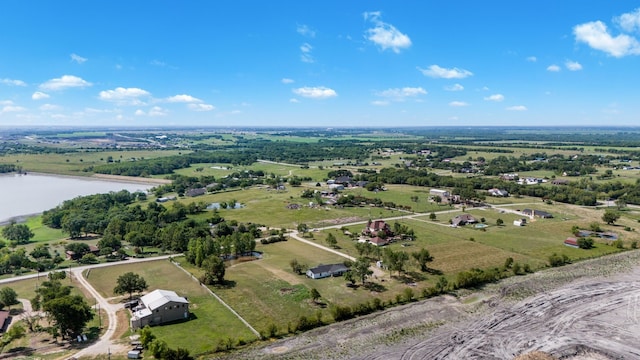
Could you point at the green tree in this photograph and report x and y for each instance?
(499, 222)
(15, 332)
(315, 294)
(296, 266)
(422, 257)
(214, 270)
(17, 233)
(361, 269)
(69, 314)
(303, 228)
(585, 243)
(146, 336)
(331, 240)
(128, 283)
(610, 216)
(432, 216)
(8, 297)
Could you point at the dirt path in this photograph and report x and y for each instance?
(591, 307)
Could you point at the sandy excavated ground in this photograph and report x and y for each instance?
(585, 311)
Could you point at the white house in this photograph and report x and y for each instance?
(159, 307)
(323, 271)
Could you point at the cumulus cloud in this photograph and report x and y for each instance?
(629, 22)
(125, 96)
(596, 35)
(12, 108)
(532, 59)
(201, 107)
(319, 92)
(306, 53)
(13, 82)
(294, 100)
(153, 112)
(458, 104)
(553, 68)
(517, 108)
(287, 81)
(436, 71)
(573, 65)
(305, 30)
(183, 98)
(400, 94)
(380, 102)
(50, 107)
(385, 35)
(77, 58)
(65, 82)
(6, 102)
(495, 97)
(38, 95)
(454, 87)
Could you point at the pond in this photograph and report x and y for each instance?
(23, 195)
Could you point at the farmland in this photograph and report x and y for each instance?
(278, 195)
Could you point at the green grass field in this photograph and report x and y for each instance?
(213, 322)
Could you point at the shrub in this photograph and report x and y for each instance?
(556, 260)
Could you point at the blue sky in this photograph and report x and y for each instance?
(330, 63)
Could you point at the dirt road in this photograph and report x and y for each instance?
(591, 307)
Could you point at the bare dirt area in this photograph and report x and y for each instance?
(585, 311)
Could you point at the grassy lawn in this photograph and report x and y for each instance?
(213, 322)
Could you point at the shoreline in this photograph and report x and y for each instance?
(105, 177)
(18, 219)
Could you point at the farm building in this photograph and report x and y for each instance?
(571, 242)
(374, 227)
(463, 219)
(323, 271)
(498, 192)
(159, 307)
(537, 213)
(378, 241)
(520, 222)
(195, 192)
(444, 194)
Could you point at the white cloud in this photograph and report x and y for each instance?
(183, 98)
(126, 96)
(573, 65)
(13, 82)
(517, 108)
(532, 59)
(287, 81)
(65, 82)
(157, 111)
(306, 53)
(140, 113)
(386, 36)
(294, 100)
(319, 92)
(553, 68)
(454, 87)
(12, 108)
(305, 30)
(380, 103)
(38, 95)
(158, 63)
(6, 102)
(77, 58)
(436, 71)
(201, 107)
(400, 94)
(629, 22)
(458, 104)
(495, 97)
(50, 107)
(596, 35)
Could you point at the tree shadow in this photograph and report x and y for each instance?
(226, 284)
(434, 271)
(376, 287)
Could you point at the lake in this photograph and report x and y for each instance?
(22, 195)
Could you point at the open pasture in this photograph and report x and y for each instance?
(211, 320)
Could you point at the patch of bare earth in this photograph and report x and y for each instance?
(585, 311)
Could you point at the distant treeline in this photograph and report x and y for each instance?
(7, 168)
